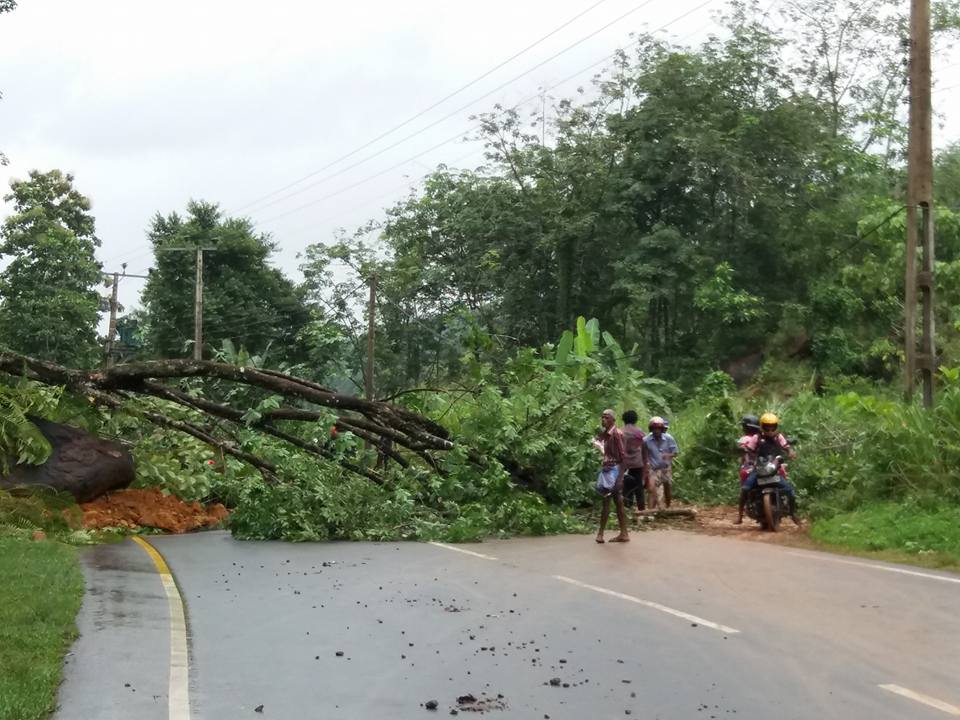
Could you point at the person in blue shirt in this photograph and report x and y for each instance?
(661, 450)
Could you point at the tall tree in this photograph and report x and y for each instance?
(50, 305)
(5, 6)
(245, 299)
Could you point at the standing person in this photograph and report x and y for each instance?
(661, 450)
(610, 480)
(635, 455)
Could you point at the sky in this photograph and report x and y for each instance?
(150, 105)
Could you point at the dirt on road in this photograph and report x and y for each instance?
(719, 520)
(150, 508)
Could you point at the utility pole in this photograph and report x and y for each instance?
(114, 279)
(371, 317)
(920, 197)
(198, 309)
(112, 327)
(197, 296)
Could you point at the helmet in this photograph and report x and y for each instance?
(769, 421)
(657, 421)
(750, 422)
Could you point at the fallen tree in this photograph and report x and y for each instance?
(391, 428)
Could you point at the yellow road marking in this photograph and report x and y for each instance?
(178, 696)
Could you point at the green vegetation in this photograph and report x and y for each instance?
(50, 303)
(728, 216)
(913, 529)
(39, 599)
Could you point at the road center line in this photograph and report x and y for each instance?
(649, 604)
(178, 695)
(874, 566)
(462, 550)
(925, 699)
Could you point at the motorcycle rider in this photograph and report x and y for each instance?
(750, 424)
(769, 442)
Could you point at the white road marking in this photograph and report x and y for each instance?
(462, 550)
(178, 695)
(874, 566)
(650, 604)
(925, 699)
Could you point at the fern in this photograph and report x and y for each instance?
(21, 442)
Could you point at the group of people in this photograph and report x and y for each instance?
(635, 465)
(638, 466)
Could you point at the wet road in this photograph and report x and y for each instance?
(672, 625)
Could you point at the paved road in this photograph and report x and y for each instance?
(673, 625)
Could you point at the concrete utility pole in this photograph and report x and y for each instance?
(198, 309)
(371, 324)
(112, 327)
(197, 297)
(114, 309)
(920, 197)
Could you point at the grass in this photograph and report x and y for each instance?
(39, 598)
(896, 532)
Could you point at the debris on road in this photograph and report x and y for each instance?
(134, 509)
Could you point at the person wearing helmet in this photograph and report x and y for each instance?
(751, 428)
(661, 450)
(770, 441)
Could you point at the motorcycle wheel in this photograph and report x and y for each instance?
(770, 519)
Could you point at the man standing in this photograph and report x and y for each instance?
(610, 480)
(635, 477)
(661, 450)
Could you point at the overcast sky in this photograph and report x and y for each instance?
(152, 104)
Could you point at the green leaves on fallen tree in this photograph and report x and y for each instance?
(20, 440)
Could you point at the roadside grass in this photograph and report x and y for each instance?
(897, 533)
(39, 599)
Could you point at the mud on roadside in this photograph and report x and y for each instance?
(719, 520)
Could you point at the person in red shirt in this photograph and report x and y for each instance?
(635, 456)
(610, 480)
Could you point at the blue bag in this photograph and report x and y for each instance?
(607, 480)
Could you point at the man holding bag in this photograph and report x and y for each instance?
(610, 479)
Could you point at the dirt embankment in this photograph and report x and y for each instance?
(150, 508)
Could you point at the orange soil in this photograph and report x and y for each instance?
(150, 508)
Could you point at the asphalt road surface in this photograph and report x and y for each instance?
(673, 625)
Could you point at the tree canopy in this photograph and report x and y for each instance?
(49, 304)
(245, 299)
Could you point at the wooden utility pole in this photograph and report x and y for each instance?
(198, 309)
(920, 198)
(371, 318)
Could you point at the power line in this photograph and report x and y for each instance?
(425, 110)
(459, 134)
(454, 112)
(535, 96)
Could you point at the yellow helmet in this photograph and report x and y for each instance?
(769, 421)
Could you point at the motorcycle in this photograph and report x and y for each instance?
(767, 503)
